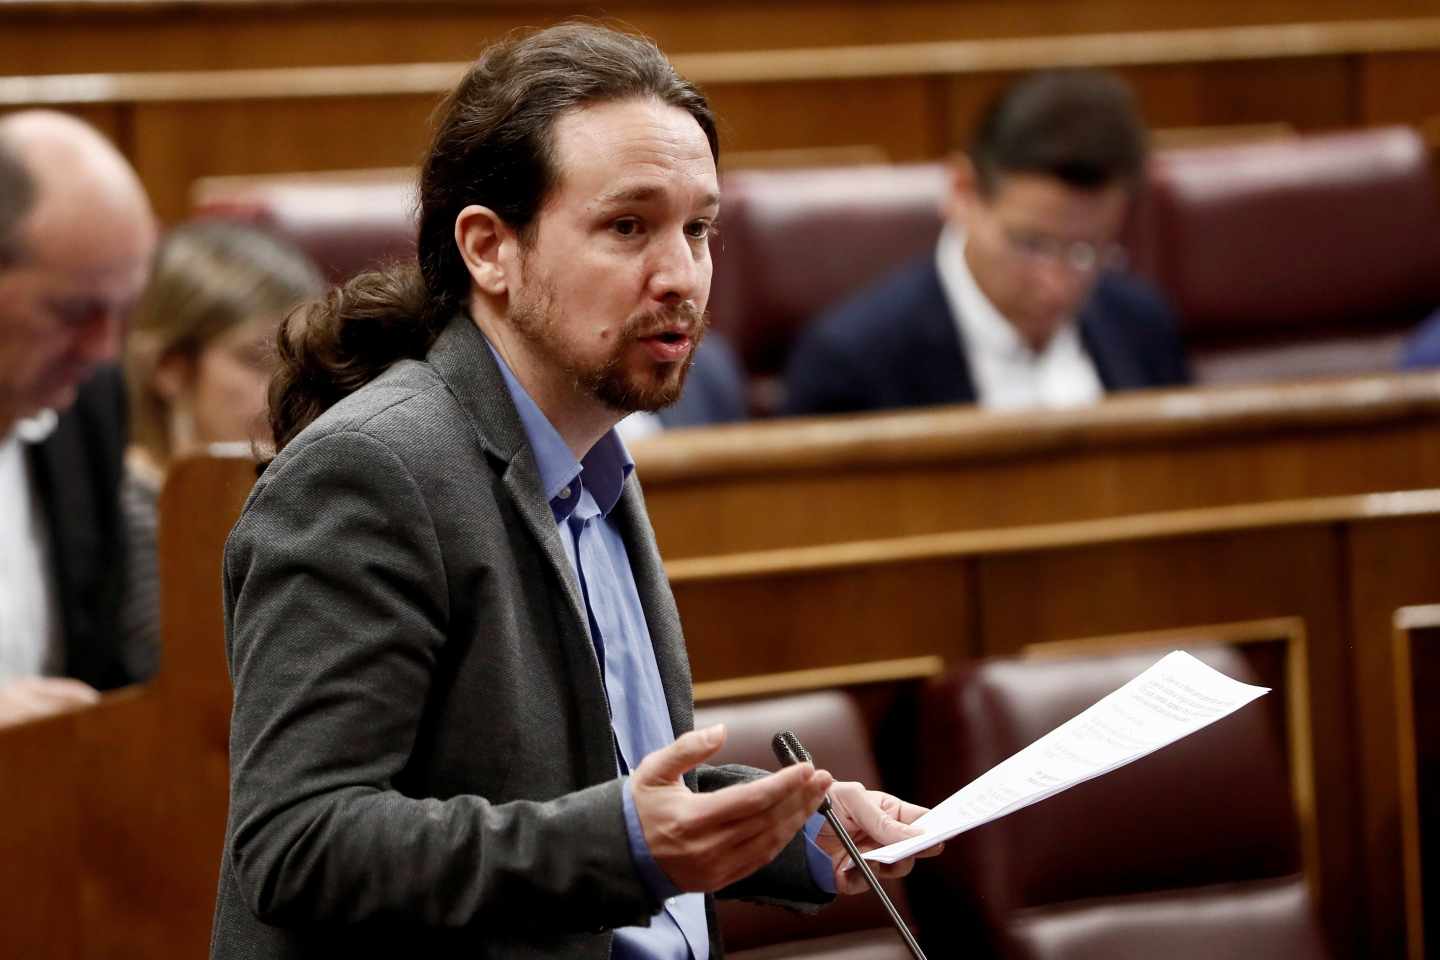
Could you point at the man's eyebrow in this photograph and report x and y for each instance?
(646, 194)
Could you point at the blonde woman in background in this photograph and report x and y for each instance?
(197, 366)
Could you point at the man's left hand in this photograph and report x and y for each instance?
(873, 819)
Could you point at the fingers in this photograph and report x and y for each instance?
(882, 819)
(707, 841)
(669, 764)
(799, 785)
(848, 878)
(33, 697)
(748, 843)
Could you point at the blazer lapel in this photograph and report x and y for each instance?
(1115, 361)
(463, 360)
(941, 367)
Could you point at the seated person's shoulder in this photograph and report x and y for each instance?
(852, 357)
(1422, 350)
(870, 315)
(1133, 310)
(1131, 300)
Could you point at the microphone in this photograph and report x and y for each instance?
(789, 751)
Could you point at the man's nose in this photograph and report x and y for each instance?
(679, 271)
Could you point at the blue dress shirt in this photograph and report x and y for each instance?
(582, 494)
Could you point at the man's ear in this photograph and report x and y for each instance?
(174, 374)
(964, 189)
(488, 247)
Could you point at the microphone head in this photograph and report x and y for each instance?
(789, 750)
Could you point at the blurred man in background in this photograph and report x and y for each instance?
(1016, 308)
(76, 236)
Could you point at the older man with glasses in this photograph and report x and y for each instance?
(1021, 304)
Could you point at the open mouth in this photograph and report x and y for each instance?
(668, 346)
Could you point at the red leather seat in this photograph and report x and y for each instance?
(1192, 852)
(1297, 257)
(793, 242)
(345, 222)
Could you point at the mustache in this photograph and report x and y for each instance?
(685, 317)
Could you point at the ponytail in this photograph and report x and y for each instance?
(329, 348)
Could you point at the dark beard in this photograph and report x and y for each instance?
(609, 382)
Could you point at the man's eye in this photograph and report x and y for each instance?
(626, 228)
(700, 229)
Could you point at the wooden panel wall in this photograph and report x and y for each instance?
(1341, 566)
(899, 102)
(39, 36)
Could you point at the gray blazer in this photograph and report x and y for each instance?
(422, 761)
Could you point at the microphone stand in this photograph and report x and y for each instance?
(789, 750)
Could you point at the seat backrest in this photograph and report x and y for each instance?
(345, 222)
(831, 725)
(793, 242)
(1326, 244)
(1191, 825)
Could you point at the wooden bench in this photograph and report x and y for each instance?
(1341, 565)
(802, 482)
(124, 808)
(1417, 677)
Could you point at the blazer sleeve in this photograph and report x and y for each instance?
(336, 611)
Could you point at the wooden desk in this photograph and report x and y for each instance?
(115, 814)
(1341, 566)
(827, 480)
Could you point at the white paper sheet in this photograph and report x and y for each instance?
(1174, 698)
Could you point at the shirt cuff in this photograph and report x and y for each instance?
(822, 871)
(653, 877)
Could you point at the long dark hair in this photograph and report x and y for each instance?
(493, 147)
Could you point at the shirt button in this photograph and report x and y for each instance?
(564, 493)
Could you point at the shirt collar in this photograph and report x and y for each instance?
(980, 323)
(603, 470)
(36, 428)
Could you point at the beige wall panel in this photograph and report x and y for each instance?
(161, 36)
(901, 115)
(1400, 88)
(176, 143)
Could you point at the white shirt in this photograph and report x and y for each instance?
(29, 618)
(1008, 374)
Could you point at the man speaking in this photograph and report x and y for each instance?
(459, 672)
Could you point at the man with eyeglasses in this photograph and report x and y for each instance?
(76, 238)
(1021, 304)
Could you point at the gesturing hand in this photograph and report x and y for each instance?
(873, 819)
(705, 841)
(31, 697)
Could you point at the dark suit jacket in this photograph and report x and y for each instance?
(422, 761)
(77, 472)
(714, 389)
(896, 345)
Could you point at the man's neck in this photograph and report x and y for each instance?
(579, 419)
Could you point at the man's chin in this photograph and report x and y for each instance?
(643, 393)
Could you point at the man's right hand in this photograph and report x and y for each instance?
(31, 697)
(706, 841)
